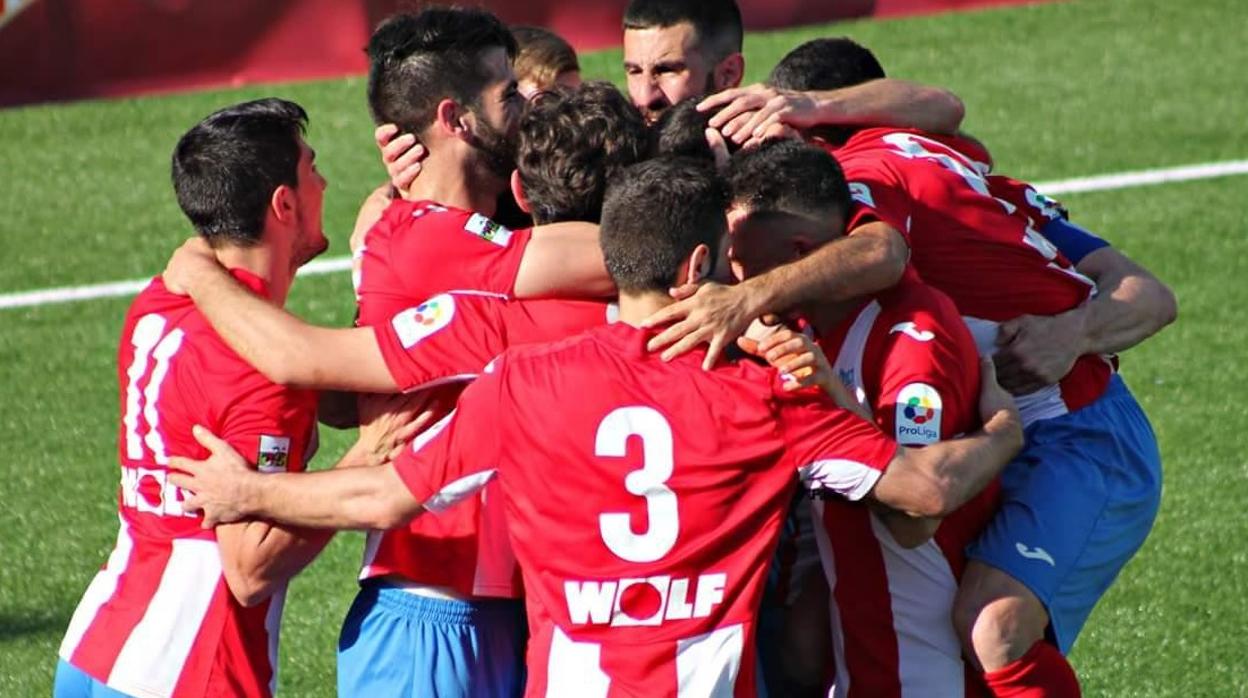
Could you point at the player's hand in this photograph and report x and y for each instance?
(801, 363)
(994, 401)
(719, 149)
(189, 263)
(744, 113)
(220, 485)
(773, 132)
(370, 212)
(401, 155)
(1034, 351)
(389, 422)
(712, 314)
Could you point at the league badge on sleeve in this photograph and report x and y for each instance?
(482, 226)
(274, 454)
(414, 324)
(918, 415)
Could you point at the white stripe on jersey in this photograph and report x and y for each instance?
(273, 626)
(574, 669)
(840, 687)
(496, 565)
(922, 587)
(153, 656)
(848, 363)
(708, 665)
(101, 589)
(1045, 403)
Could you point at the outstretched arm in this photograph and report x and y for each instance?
(287, 350)
(745, 113)
(564, 260)
(871, 259)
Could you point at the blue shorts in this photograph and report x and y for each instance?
(395, 643)
(1077, 503)
(72, 682)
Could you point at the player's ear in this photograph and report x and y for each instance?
(517, 191)
(698, 266)
(728, 72)
(450, 119)
(283, 203)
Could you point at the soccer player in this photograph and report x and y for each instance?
(906, 354)
(444, 75)
(544, 62)
(643, 497)
(1072, 514)
(458, 563)
(178, 610)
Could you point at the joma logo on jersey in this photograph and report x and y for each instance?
(643, 600)
(150, 492)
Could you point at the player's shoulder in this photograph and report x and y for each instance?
(911, 297)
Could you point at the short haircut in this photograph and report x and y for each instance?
(417, 60)
(717, 23)
(571, 143)
(788, 176)
(825, 64)
(542, 56)
(655, 214)
(226, 168)
(681, 130)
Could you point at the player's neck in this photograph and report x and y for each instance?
(635, 307)
(264, 262)
(827, 316)
(450, 181)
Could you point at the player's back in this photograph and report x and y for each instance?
(159, 619)
(644, 502)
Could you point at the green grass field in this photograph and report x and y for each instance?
(1057, 90)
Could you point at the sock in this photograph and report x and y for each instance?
(1040, 673)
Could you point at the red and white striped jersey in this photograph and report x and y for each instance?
(440, 345)
(159, 619)
(644, 500)
(911, 362)
(981, 249)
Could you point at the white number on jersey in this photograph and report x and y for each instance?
(648, 481)
(150, 342)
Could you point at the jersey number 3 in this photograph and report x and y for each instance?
(648, 482)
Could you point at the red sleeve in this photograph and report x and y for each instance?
(1038, 208)
(457, 456)
(877, 193)
(923, 378)
(272, 426)
(457, 250)
(833, 449)
(448, 338)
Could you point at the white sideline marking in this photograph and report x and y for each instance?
(1120, 180)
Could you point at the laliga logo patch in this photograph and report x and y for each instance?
(414, 324)
(918, 415)
(484, 227)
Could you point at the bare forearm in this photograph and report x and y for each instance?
(347, 498)
(890, 102)
(1131, 305)
(259, 556)
(564, 260)
(868, 261)
(964, 467)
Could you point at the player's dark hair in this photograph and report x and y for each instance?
(717, 23)
(571, 143)
(417, 60)
(542, 55)
(681, 131)
(788, 176)
(826, 64)
(227, 166)
(655, 214)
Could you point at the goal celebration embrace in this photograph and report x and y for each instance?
(692, 388)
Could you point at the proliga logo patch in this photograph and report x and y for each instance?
(918, 414)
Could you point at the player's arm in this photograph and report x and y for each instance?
(746, 113)
(563, 260)
(935, 480)
(258, 557)
(287, 350)
(1130, 306)
(870, 259)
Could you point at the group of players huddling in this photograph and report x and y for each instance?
(679, 395)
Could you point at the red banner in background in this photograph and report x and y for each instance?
(76, 49)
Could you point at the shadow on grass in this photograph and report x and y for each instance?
(19, 624)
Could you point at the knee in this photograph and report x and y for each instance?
(997, 619)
